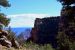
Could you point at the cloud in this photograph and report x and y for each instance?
(28, 15)
(24, 20)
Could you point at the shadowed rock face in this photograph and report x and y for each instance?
(45, 30)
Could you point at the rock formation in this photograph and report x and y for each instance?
(45, 30)
(4, 40)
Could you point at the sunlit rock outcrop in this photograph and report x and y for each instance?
(4, 41)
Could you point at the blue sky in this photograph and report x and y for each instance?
(23, 12)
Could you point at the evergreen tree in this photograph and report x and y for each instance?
(4, 3)
(67, 2)
(3, 20)
(66, 31)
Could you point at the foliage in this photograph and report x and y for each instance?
(34, 46)
(4, 3)
(3, 20)
(31, 46)
(66, 31)
(67, 2)
(68, 10)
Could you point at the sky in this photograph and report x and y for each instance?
(24, 12)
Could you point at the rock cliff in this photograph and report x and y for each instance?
(45, 30)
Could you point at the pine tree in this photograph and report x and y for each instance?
(4, 3)
(66, 31)
(3, 20)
